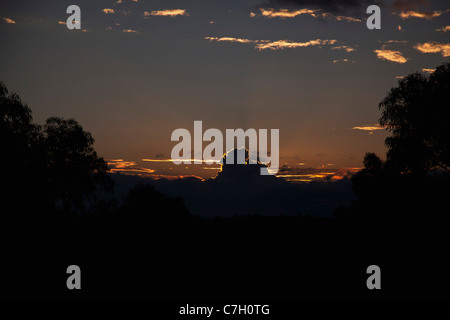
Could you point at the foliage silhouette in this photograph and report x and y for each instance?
(45, 164)
(74, 168)
(416, 112)
(411, 185)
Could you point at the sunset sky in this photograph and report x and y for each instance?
(140, 69)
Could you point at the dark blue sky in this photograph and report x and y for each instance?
(132, 89)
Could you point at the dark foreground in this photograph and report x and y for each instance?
(241, 258)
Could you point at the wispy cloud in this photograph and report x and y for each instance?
(387, 53)
(369, 128)
(346, 48)
(284, 13)
(230, 39)
(347, 19)
(395, 41)
(338, 18)
(390, 55)
(434, 47)
(129, 31)
(295, 174)
(428, 70)
(444, 29)
(316, 13)
(108, 11)
(342, 60)
(132, 168)
(128, 167)
(74, 22)
(172, 160)
(166, 13)
(8, 20)
(282, 44)
(273, 45)
(420, 14)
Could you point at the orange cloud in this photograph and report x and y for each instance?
(347, 19)
(61, 22)
(281, 44)
(128, 167)
(428, 70)
(230, 39)
(340, 60)
(390, 55)
(172, 160)
(369, 128)
(166, 13)
(394, 41)
(129, 31)
(108, 11)
(338, 18)
(444, 29)
(346, 48)
(274, 45)
(9, 21)
(284, 13)
(434, 47)
(420, 14)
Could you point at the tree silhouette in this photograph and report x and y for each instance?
(21, 160)
(411, 183)
(416, 113)
(44, 164)
(74, 167)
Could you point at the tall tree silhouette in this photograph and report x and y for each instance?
(417, 112)
(44, 164)
(73, 165)
(22, 181)
(413, 181)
